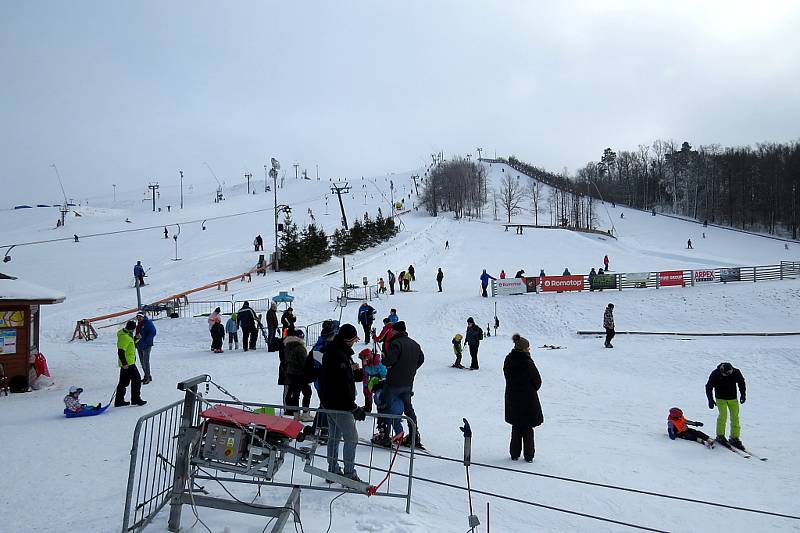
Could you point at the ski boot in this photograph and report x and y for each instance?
(417, 442)
(722, 440)
(736, 443)
(381, 438)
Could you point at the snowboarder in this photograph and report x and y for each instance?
(402, 360)
(721, 385)
(677, 427)
(232, 329)
(213, 316)
(366, 316)
(439, 278)
(608, 324)
(473, 338)
(502, 274)
(393, 316)
(128, 373)
(246, 319)
(371, 367)
(522, 408)
(217, 335)
(146, 331)
(457, 350)
(411, 271)
(485, 282)
(689, 245)
(272, 325)
(73, 403)
(391, 281)
(138, 273)
(605, 263)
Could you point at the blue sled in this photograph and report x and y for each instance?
(86, 412)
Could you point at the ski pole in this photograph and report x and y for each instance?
(467, 431)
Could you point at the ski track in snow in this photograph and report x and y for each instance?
(605, 410)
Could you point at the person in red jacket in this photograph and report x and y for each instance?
(678, 428)
(385, 335)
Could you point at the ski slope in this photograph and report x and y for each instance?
(605, 410)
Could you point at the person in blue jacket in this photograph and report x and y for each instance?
(485, 282)
(138, 273)
(366, 316)
(393, 318)
(146, 331)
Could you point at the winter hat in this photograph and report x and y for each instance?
(74, 389)
(520, 343)
(470, 320)
(299, 334)
(726, 369)
(363, 354)
(130, 325)
(675, 413)
(347, 332)
(458, 337)
(140, 315)
(611, 306)
(400, 326)
(233, 316)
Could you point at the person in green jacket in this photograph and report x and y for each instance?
(128, 373)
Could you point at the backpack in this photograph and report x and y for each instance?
(480, 333)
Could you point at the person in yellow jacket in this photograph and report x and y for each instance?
(128, 373)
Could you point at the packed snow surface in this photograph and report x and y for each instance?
(605, 410)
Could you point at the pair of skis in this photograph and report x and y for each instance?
(745, 454)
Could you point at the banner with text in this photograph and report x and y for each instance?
(704, 275)
(604, 281)
(509, 286)
(671, 278)
(562, 283)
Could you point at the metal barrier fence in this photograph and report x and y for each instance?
(369, 293)
(205, 307)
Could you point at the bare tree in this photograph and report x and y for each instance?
(535, 194)
(512, 195)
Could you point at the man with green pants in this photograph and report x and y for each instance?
(721, 386)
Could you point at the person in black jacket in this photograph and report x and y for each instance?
(272, 324)
(523, 410)
(337, 391)
(246, 319)
(722, 385)
(403, 357)
(287, 321)
(439, 278)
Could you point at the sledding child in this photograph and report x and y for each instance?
(457, 348)
(372, 367)
(382, 438)
(217, 335)
(73, 402)
(678, 428)
(232, 329)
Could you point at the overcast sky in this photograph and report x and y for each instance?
(124, 92)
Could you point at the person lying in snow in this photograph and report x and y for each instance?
(73, 402)
(678, 428)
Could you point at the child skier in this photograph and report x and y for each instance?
(372, 367)
(381, 438)
(232, 329)
(73, 402)
(677, 427)
(217, 336)
(457, 349)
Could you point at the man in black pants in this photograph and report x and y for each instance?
(128, 373)
(246, 319)
(473, 338)
(439, 278)
(608, 323)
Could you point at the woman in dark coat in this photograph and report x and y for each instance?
(523, 410)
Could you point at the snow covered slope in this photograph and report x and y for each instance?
(605, 410)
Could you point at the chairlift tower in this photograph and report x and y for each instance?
(153, 188)
(339, 189)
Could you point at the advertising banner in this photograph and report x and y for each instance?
(511, 286)
(639, 279)
(562, 283)
(704, 275)
(671, 278)
(531, 283)
(8, 341)
(730, 274)
(604, 281)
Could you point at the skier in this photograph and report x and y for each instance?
(721, 385)
(473, 338)
(677, 427)
(366, 316)
(520, 273)
(608, 324)
(402, 360)
(407, 278)
(622, 215)
(446, 245)
(371, 367)
(138, 273)
(246, 319)
(213, 316)
(502, 274)
(217, 335)
(689, 244)
(391, 281)
(605, 263)
(73, 403)
(128, 373)
(457, 350)
(232, 329)
(393, 316)
(439, 278)
(272, 325)
(522, 408)
(166, 233)
(146, 331)
(411, 271)
(485, 282)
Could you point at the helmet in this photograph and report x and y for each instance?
(363, 354)
(726, 369)
(675, 413)
(458, 337)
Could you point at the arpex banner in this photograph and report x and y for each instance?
(562, 283)
(509, 286)
(704, 275)
(671, 278)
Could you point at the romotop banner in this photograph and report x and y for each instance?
(509, 286)
(562, 283)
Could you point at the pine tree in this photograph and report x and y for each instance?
(290, 247)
